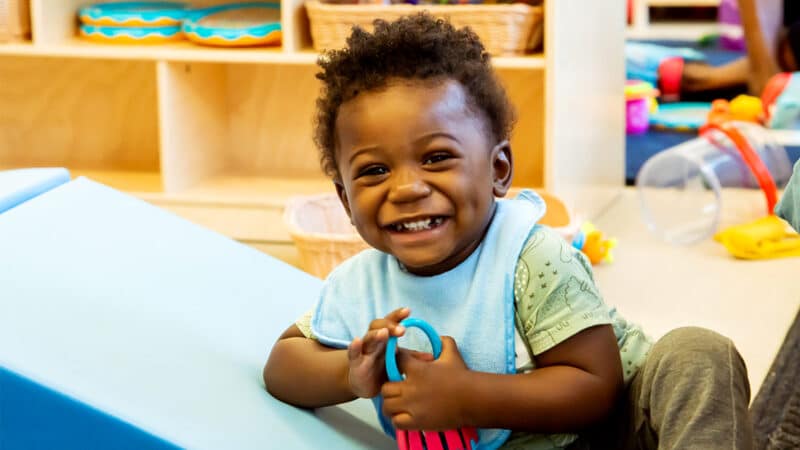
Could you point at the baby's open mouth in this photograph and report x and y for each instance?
(417, 225)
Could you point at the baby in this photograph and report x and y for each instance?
(414, 128)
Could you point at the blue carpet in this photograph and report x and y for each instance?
(639, 148)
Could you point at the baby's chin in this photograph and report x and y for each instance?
(425, 266)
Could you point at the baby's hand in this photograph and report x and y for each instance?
(367, 364)
(429, 398)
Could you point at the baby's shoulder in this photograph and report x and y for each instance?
(544, 242)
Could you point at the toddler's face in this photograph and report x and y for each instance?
(419, 172)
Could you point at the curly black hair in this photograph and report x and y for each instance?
(418, 47)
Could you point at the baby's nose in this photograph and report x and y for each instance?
(409, 190)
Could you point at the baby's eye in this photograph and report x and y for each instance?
(437, 157)
(372, 171)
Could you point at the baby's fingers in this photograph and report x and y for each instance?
(392, 322)
(398, 315)
(354, 349)
(374, 341)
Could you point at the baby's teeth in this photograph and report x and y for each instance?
(418, 225)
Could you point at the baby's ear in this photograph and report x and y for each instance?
(343, 197)
(502, 168)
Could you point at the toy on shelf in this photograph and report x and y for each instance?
(134, 14)
(640, 102)
(132, 22)
(235, 25)
(244, 24)
(131, 35)
(463, 438)
(593, 243)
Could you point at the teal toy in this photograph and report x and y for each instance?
(463, 438)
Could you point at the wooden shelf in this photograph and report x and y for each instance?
(225, 140)
(683, 3)
(137, 182)
(675, 31)
(125, 180)
(248, 190)
(186, 51)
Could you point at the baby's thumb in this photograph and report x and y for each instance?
(449, 347)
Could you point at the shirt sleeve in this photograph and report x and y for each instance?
(789, 206)
(554, 290)
(304, 324)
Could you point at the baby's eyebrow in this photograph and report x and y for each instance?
(360, 151)
(435, 134)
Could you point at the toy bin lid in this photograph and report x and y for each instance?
(235, 25)
(134, 14)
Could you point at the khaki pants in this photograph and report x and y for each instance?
(691, 393)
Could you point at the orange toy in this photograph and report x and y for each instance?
(745, 108)
(594, 244)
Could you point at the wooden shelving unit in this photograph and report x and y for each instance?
(223, 136)
(643, 28)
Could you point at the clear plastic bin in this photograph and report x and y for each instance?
(682, 189)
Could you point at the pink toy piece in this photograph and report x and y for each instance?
(402, 439)
(453, 439)
(470, 436)
(415, 440)
(433, 441)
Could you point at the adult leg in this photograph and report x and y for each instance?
(768, 53)
(762, 23)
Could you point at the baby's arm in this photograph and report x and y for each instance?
(305, 373)
(576, 384)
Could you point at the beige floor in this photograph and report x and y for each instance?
(662, 286)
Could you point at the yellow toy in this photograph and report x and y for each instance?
(767, 237)
(745, 108)
(593, 244)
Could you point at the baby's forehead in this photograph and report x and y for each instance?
(422, 99)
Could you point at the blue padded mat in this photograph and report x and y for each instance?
(119, 315)
(18, 186)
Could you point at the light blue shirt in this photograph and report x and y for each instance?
(473, 302)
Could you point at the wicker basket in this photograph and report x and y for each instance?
(504, 29)
(322, 232)
(15, 20)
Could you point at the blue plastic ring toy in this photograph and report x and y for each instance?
(391, 346)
